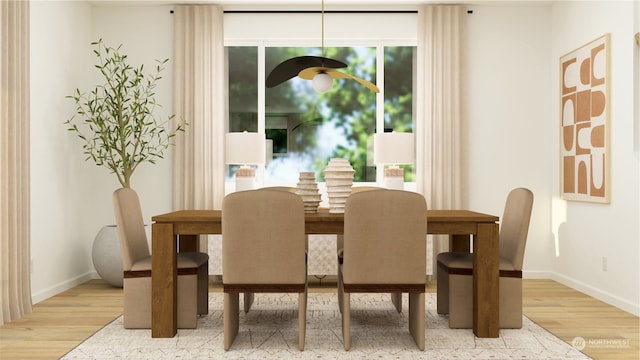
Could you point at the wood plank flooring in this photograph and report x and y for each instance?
(60, 323)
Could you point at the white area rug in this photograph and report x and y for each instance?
(270, 329)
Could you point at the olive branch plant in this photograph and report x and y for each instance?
(116, 120)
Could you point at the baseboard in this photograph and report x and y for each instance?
(604, 296)
(63, 286)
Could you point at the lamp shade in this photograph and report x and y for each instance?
(393, 148)
(244, 148)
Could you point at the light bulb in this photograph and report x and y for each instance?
(322, 82)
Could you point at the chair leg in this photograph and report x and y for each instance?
(346, 320)
(417, 318)
(443, 290)
(231, 318)
(203, 289)
(396, 299)
(248, 301)
(460, 301)
(302, 319)
(340, 288)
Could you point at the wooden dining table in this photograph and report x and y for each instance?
(178, 231)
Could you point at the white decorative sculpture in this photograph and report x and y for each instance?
(339, 178)
(308, 189)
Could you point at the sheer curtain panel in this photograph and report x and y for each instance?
(200, 98)
(441, 36)
(15, 298)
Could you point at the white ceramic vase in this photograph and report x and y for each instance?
(308, 189)
(339, 178)
(107, 256)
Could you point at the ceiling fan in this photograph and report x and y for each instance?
(319, 69)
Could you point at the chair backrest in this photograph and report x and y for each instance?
(515, 225)
(280, 188)
(357, 189)
(385, 238)
(263, 238)
(133, 238)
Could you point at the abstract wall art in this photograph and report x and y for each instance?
(584, 122)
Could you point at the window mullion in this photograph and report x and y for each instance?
(380, 102)
(261, 105)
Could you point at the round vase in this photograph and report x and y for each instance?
(339, 178)
(106, 255)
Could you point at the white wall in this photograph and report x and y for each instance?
(510, 130)
(71, 198)
(508, 142)
(60, 251)
(588, 232)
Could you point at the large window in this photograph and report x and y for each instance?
(305, 129)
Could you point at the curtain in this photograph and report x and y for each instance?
(15, 298)
(438, 130)
(200, 98)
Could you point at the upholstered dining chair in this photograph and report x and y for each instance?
(263, 250)
(455, 269)
(340, 247)
(385, 252)
(249, 296)
(193, 269)
(354, 190)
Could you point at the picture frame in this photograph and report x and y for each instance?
(585, 107)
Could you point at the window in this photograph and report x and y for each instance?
(306, 128)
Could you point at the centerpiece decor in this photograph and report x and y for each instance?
(307, 188)
(339, 179)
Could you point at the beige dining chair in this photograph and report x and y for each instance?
(455, 269)
(193, 269)
(340, 246)
(384, 252)
(354, 190)
(263, 250)
(249, 297)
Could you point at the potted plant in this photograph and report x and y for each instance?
(119, 130)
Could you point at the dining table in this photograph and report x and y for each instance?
(178, 231)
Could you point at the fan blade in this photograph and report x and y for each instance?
(288, 69)
(340, 75)
(309, 73)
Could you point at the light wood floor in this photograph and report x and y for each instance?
(60, 323)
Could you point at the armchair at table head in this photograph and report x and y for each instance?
(455, 270)
(193, 269)
(263, 250)
(385, 251)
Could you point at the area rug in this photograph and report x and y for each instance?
(270, 330)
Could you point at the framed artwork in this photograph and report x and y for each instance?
(585, 100)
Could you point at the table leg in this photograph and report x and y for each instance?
(460, 243)
(164, 280)
(486, 285)
(188, 243)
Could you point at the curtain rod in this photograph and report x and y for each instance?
(326, 12)
(318, 11)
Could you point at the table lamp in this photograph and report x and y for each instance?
(393, 149)
(245, 148)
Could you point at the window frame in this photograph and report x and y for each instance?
(378, 39)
